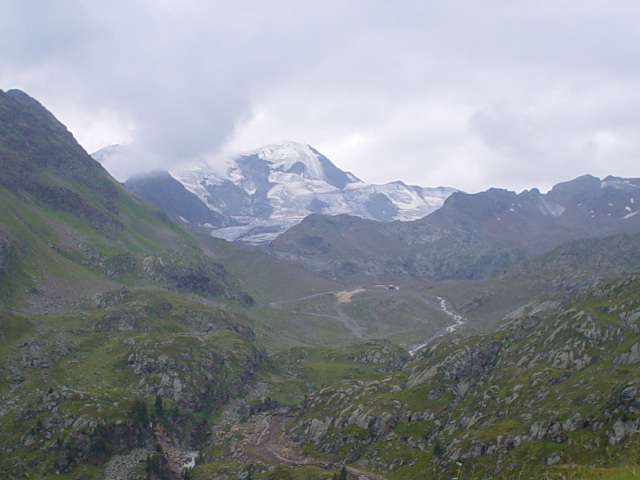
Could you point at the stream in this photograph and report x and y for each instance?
(458, 323)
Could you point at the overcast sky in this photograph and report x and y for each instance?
(469, 94)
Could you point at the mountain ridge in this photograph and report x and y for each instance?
(472, 236)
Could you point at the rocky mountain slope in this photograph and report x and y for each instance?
(580, 263)
(550, 396)
(107, 307)
(258, 195)
(472, 236)
(69, 229)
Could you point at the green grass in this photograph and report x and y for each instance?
(414, 429)
(265, 278)
(418, 398)
(396, 315)
(326, 365)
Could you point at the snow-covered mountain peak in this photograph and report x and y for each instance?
(285, 152)
(106, 152)
(293, 157)
(259, 194)
(301, 160)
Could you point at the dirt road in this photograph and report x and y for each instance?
(272, 445)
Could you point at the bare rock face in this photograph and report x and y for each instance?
(632, 357)
(125, 465)
(381, 355)
(461, 368)
(192, 370)
(622, 429)
(202, 276)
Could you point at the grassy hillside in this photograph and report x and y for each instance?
(119, 336)
(68, 229)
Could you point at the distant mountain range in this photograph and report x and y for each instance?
(472, 236)
(293, 201)
(258, 195)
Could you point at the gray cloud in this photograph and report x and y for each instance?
(468, 94)
(550, 137)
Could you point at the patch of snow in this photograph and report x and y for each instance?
(619, 184)
(260, 238)
(194, 177)
(283, 156)
(550, 208)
